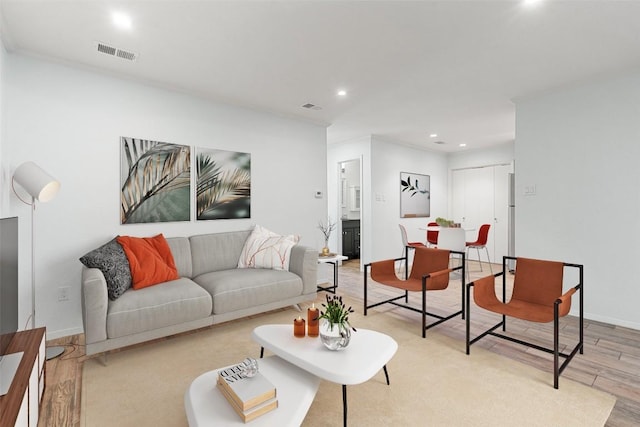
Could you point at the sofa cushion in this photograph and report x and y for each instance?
(111, 260)
(241, 288)
(150, 259)
(266, 249)
(216, 251)
(181, 250)
(165, 304)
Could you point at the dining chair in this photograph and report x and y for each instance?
(405, 241)
(406, 244)
(453, 239)
(480, 242)
(432, 235)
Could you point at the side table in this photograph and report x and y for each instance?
(333, 259)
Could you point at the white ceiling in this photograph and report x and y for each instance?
(410, 68)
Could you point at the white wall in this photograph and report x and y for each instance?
(579, 147)
(382, 162)
(4, 172)
(496, 155)
(387, 161)
(69, 121)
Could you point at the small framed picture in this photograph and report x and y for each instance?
(415, 195)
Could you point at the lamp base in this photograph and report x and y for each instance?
(53, 352)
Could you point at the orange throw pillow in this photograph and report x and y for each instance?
(150, 260)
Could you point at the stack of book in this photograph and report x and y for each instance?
(250, 397)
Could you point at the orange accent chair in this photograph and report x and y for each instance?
(432, 235)
(480, 243)
(429, 272)
(537, 296)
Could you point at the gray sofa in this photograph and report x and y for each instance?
(211, 289)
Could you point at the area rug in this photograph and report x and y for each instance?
(433, 382)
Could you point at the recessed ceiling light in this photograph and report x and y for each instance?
(531, 3)
(342, 92)
(463, 145)
(433, 135)
(121, 20)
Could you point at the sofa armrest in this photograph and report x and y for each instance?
(94, 305)
(304, 263)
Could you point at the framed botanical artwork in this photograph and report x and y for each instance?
(223, 184)
(155, 181)
(415, 195)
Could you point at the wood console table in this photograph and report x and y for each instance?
(21, 405)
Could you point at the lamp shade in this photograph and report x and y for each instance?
(39, 184)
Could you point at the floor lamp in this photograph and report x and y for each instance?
(41, 187)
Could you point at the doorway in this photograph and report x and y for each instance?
(350, 209)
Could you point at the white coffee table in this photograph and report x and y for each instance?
(367, 353)
(295, 390)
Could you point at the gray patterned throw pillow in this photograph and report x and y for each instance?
(112, 261)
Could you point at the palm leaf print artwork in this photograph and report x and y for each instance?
(223, 184)
(155, 181)
(415, 195)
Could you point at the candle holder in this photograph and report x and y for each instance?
(313, 327)
(298, 327)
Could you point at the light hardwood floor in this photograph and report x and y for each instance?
(611, 359)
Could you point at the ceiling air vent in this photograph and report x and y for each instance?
(310, 106)
(106, 49)
(439, 142)
(126, 55)
(114, 51)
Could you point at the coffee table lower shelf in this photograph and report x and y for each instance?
(295, 388)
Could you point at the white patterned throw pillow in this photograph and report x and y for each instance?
(266, 249)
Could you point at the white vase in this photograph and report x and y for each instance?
(334, 336)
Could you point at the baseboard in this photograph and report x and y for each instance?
(52, 335)
(612, 321)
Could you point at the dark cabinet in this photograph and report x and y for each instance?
(351, 238)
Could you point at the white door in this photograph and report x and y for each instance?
(480, 196)
(458, 179)
(501, 211)
(458, 183)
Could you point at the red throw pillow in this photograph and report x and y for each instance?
(150, 260)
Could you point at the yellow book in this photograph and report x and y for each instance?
(247, 392)
(254, 412)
